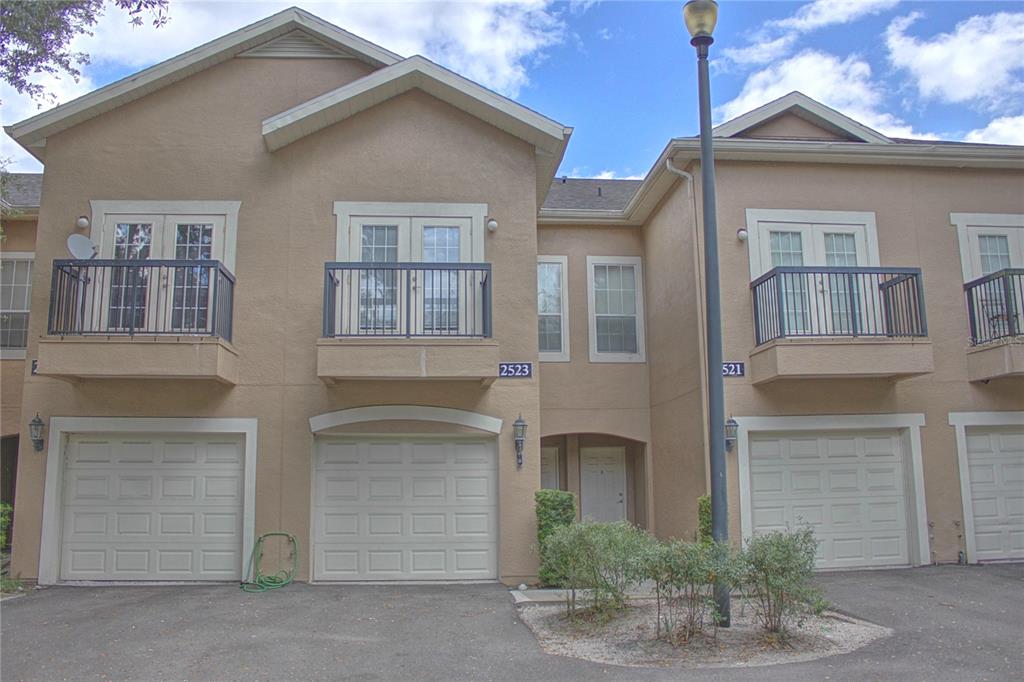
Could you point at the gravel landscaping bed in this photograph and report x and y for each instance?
(629, 639)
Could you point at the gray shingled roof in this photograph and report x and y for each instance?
(23, 189)
(590, 193)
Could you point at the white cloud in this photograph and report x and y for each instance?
(760, 52)
(1003, 130)
(604, 33)
(981, 60)
(19, 107)
(843, 84)
(821, 13)
(493, 42)
(583, 172)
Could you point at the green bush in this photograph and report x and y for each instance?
(684, 575)
(5, 523)
(604, 559)
(555, 509)
(777, 572)
(704, 518)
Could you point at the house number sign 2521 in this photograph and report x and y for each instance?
(733, 369)
(515, 370)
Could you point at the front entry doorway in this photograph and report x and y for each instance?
(603, 483)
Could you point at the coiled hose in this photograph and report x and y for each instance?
(258, 582)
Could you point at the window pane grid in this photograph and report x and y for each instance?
(15, 300)
(441, 288)
(615, 308)
(378, 289)
(191, 302)
(549, 307)
(128, 285)
(995, 253)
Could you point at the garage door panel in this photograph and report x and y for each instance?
(848, 487)
(152, 508)
(996, 471)
(400, 510)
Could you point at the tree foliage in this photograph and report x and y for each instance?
(36, 36)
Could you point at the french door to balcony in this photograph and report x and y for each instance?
(999, 306)
(820, 303)
(401, 296)
(164, 299)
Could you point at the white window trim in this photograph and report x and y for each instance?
(966, 223)
(346, 211)
(564, 355)
(908, 424)
(960, 421)
(17, 353)
(755, 234)
(61, 428)
(228, 209)
(641, 354)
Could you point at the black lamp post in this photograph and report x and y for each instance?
(700, 17)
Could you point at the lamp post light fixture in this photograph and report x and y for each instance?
(35, 432)
(700, 17)
(732, 428)
(519, 437)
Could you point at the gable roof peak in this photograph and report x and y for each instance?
(798, 104)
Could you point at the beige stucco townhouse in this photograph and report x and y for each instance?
(312, 257)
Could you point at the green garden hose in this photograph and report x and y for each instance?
(258, 582)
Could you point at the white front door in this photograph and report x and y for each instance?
(405, 508)
(996, 468)
(603, 483)
(849, 487)
(549, 468)
(152, 507)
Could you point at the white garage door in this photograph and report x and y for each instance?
(996, 466)
(405, 509)
(849, 487)
(151, 507)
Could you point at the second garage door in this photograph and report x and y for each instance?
(849, 487)
(996, 470)
(405, 509)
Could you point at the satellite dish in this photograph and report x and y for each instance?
(81, 247)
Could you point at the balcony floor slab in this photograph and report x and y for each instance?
(840, 358)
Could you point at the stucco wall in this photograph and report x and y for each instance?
(200, 139)
(912, 207)
(19, 235)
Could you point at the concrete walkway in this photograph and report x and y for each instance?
(952, 623)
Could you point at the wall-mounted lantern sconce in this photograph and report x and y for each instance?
(82, 223)
(519, 436)
(732, 427)
(492, 224)
(35, 432)
(741, 234)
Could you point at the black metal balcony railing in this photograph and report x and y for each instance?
(995, 306)
(407, 299)
(838, 301)
(127, 297)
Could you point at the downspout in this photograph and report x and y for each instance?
(701, 320)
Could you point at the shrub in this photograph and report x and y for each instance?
(777, 572)
(704, 518)
(555, 509)
(605, 559)
(5, 524)
(684, 575)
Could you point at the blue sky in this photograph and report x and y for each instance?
(624, 75)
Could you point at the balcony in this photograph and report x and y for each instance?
(145, 319)
(407, 321)
(995, 311)
(839, 322)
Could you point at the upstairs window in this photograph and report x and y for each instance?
(15, 301)
(552, 309)
(615, 292)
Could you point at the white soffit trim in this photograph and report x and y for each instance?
(806, 108)
(415, 72)
(62, 427)
(447, 415)
(32, 132)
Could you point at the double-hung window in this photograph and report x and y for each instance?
(616, 306)
(15, 300)
(552, 308)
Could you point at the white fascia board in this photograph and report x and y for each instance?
(415, 72)
(806, 108)
(32, 130)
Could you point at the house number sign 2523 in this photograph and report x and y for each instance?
(515, 370)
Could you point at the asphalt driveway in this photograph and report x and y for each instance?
(951, 623)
